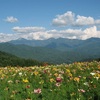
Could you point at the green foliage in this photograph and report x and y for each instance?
(11, 60)
(55, 51)
(77, 81)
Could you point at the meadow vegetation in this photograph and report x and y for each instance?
(77, 81)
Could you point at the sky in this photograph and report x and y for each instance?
(43, 19)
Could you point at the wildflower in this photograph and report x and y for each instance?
(54, 69)
(77, 79)
(81, 90)
(70, 75)
(36, 73)
(62, 72)
(86, 83)
(67, 70)
(98, 74)
(14, 92)
(97, 78)
(57, 84)
(10, 81)
(45, 71)
(17, 81)
(58, 79)
(28, 86)
(52, 80)
(37, 91)
(56, 74)
(25, 81)
(92, 74)
(20, 73)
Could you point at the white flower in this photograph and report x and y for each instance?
(92, 73)
(86, 83)
(20, 74)
(10, 81)
(97, 78)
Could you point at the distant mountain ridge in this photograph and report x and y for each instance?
(59, 43)
(52, 50)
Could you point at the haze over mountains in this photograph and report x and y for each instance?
(57, 51)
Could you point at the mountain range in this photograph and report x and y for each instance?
(56, 51)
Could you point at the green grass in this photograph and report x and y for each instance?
(77, 81)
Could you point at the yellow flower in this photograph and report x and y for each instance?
(36, 73)
(55, 69)
(52, 80)
(77, 79)
(56, 74)
(70, 74)
(25, 80)
(99, 75)
(67, 70)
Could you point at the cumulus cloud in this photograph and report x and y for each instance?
(82, 20)
(28, 29)
(97, 21)
(11, 19)
(91, 32)
(63, 20)
(76, 33)
(69, 18)
(7, 37)
(45, 34)
(39, 35)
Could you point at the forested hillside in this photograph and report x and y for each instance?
(62, 51)
(7, 59)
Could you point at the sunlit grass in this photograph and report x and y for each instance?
(77, 81)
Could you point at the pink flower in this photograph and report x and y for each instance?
(28, 86)
(57, 84)
(37, 91)
(81, 90)
(58, 79)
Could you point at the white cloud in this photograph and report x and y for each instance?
(76, 33)
(63, 20)
(69, 18)
(7, 37)
(11, 19)
(28, 29)
(39, 36)
(82, 20)
(91, 32)
(45, 34)
(91, 29)
(97, 21)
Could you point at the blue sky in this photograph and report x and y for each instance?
(43, 19)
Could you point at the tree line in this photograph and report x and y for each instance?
(7, 59)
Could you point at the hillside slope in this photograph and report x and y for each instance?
(55, 51)
(7, 59)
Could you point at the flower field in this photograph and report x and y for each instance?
(77, 81)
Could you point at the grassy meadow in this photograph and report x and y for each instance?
(77, 81)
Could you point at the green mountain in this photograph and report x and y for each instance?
(55, 51)
(24, 51)
(7, 59)
(62, 44)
